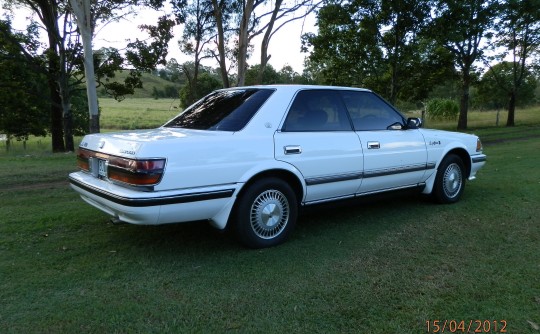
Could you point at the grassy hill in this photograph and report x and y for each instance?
(150, 81)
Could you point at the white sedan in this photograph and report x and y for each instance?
(247, 158)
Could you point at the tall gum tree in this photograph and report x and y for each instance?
(464, 29)
(64, 55)
(518, 34)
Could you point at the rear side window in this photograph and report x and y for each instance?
(224, 110)
(317, 110)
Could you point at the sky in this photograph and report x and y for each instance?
(284, 46)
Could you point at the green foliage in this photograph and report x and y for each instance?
(24, 107)
(206, 84)
(498, 82)
(378, 45)
(270, 76)
(442, 109)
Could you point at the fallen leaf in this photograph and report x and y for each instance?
(534, 325)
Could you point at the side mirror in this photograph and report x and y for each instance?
(414, 123)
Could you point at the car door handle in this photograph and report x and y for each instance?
(292, 149)
(371, 145)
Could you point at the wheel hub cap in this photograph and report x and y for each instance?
(269, 214)
(452, 180)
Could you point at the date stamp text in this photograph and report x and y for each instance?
(466, 326)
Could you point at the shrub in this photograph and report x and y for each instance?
(442, 109)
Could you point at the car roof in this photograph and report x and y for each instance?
(286, 87)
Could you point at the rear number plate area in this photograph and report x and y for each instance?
(98, 168)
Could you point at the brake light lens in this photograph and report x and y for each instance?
(83, 159)
(135, 172)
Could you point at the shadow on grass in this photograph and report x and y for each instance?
(317, 225)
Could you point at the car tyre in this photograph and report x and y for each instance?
(450, 180)
(266, 213)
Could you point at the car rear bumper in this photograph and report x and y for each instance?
(152, 208)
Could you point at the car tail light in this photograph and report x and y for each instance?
(83, 159)
(136, 172)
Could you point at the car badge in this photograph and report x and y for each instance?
(101, 144)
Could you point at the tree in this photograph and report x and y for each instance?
(519, 33)
(280, 16)
(396, 26)
(199, 31)
(497, 84)
(340, 40)
(251, 25)
(221, 14)
(208, 82)
(370, 43)
(461, 26)
(81, 10)
(65, 59)
(51, 16)
(23, 90)
(270, 76)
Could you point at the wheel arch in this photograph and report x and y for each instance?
(463, 155)
(283, 174)
(458, 151)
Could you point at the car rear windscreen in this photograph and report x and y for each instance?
(223, 110)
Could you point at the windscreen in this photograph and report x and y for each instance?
(223, 110)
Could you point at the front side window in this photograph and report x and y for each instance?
(223, 110)
(317, 110)
(369, 112)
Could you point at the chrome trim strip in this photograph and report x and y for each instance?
(154, 201)
(331, 199)
(312, 181)
(398, 170)
(422, 184)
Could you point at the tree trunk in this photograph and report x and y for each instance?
(243, 42)
(191, 95)
(91, 84)
(221, 44)
(68, 125)
(464, 102)
(82, 12)
(266, 41)
(511, 109)
(57, 133)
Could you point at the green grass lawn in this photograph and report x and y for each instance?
(386, 266)
(141, 113)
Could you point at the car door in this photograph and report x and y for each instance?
(317, 138)
(394, 157)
